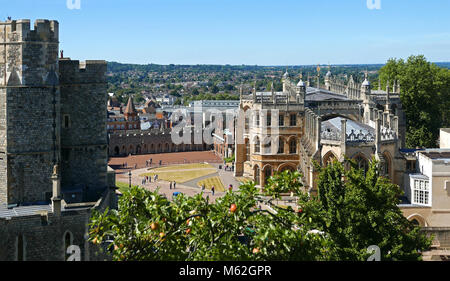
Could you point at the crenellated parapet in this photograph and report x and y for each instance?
(17, 31)
(76, 72)
(28, 57)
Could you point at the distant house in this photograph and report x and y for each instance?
(445, 138)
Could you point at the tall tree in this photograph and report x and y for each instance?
(424, 95)
(361, 209)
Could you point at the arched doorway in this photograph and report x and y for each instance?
(267, 173)
(362, 163)
(116, 151)
(286, 167)
(329, 158)
(68, 241)
(257, 174)
(418, 220)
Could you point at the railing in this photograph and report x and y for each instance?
(360, 137)
(333, 136)
(387, 134)
(352, 137)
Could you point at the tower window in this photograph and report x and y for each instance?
(281, 120)
(293, 120)
(66, 121)
(20, 248)
(293, 147)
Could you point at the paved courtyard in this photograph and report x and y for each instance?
(166, 158)
(189, 188)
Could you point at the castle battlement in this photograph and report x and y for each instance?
(44, 31)
(74, 71)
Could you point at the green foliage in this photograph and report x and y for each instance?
(352, 212)
(229, 159)
(190, 229)
(425, 96)
(362, 210)
(284, 182)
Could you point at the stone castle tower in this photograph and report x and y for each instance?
(52, 111)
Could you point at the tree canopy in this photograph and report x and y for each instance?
(425, 96)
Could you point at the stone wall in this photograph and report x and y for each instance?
(147, 142)
(28, 87)
(44, 234)
(83, 123)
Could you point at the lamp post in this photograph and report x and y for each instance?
(129, 177)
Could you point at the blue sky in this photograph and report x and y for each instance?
(263, 32)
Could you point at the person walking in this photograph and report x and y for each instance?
(155, 178)
(203, 187)
(213, 190)
(174, 184)
(170, 185)
(230, 188)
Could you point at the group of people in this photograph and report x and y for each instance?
(148, 179)
(213, 189)
(228, 168)
(125, 166)
(173, 184)
(150, 162)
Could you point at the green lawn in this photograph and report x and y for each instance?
(182, 173)
(122, 186)
(213, 181)
(243, 180)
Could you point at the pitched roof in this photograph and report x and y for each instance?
(130, 107)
